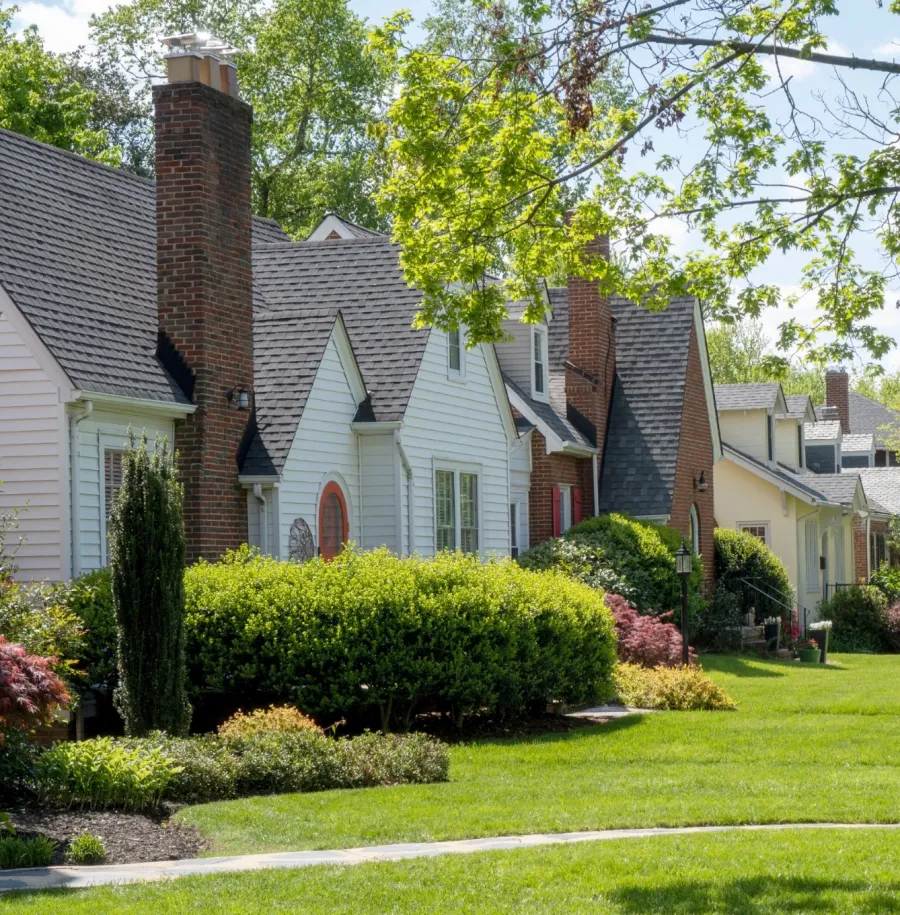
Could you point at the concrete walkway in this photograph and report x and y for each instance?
(45, 878)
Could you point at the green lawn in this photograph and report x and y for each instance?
(808, 744)
(819, 872)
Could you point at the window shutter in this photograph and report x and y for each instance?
(557, 513)
(576, 505)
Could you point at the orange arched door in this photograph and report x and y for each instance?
(334, 525)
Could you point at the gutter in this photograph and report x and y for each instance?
(74, 419)
(160, 407)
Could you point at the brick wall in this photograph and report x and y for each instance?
(204, 295)
(591, 347)
(547, 471)
(695, 454)
(837, 394)
(861, 546)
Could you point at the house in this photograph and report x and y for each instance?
(821, 524)
(618, 403)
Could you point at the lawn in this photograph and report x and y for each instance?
(807, 744)
(820, 872)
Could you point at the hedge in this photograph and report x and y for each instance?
(374, 629)
(859, 618)
(620, 554)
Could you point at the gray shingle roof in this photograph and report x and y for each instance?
(353, 229)
(867, 415)
(756, 396)
(78, 257)
(836, 487)
(561, 427)
(882, 486)
(796, 404)
(362, 278)
(826, 431)
(858, 441)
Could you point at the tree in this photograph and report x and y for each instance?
(737, 353)
(41, 97)
(146, 551)
(313, 81)
(477, 184)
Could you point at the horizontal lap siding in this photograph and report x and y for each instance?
(516, 355)
(462, 423)
(32, 459)
(324, 444)
(378, 498)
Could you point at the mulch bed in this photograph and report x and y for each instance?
(129, 837)
(477, 727)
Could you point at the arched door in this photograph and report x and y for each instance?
(334, 525)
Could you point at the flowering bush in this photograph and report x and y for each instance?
(670, 689)
(820, 625)
(646, 640)
(30, 692)
(284, 718)
(892, 627)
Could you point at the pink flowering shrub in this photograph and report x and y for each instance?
(30, 692)
(645, 640)
(892, 627)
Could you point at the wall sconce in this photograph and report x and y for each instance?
(243, 398)
(701, 485)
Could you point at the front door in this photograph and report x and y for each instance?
(334, 526)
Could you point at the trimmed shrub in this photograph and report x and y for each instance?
(104, 773)
(721, 620)
(146, 551)
(645, 640)
(887, 580)
(670, 689)
(635, 559)
(30, 692)
(374, 629)
(859, 619)
(274, 718)
(742, 558)
(89, 598)
(205, 767)
(86, 848)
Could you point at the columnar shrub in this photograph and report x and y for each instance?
(30, 692)
(374, 629)
(645, 639)
(747, 568)
(147, 562)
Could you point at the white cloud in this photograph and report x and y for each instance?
(889, 50)
(802, 69)
(63, 25)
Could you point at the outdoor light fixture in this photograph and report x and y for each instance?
(684, 567)
(243, 399)
(701, 484)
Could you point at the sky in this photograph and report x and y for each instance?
(863, 30)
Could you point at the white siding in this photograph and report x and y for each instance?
(32, 458)
(460, 423)
(515, 356)
(379, 512)
(103, 429)
(324, 447)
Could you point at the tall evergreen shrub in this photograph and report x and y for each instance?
(146, 549)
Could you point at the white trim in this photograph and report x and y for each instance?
(540, 332)
(501, 393)
(249, 479)
(117, 403)
(458, 467)
(330, 223)
(348, 360)
(694, 516)
(764, 474)
(654, 519)
(376, 428)
(457, 376)
(105, 443)
(554, 442)
(711, 410)
(765, 525)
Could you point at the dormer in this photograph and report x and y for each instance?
(747, 417)
(790, 440)
(857, 450)
(525, 356)
(823, 442)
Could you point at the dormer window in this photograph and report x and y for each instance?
(540, 362)
(770, 426)
(800, 462)
(455, 353)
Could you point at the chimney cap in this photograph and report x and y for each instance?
(835, 370)
(201, 43)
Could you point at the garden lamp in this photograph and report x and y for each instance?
(684, 567)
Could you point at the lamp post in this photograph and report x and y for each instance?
(683, 568)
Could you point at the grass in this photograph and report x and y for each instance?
(807, 744)
(821, 871)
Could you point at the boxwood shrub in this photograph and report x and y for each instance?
(374, 629)
(859, 617)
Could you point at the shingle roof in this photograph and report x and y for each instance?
(882, 486)
(796, 404)
(361, 277)
(78, 257)
(859, 441)
(559, 425)
(867, 415)
(353, 229)
(826, 431)
(756, 396)
(836, 487)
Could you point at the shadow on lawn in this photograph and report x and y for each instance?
(589, 731)
(741, 666)
(756, 895)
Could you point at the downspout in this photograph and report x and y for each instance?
(263, 518)
(410, 496)
(74, 420)
(596, 471)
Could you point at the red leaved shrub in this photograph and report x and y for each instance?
(643, 639)
(30, 692)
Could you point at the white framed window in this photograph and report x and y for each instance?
(457, 509)
(565, 507)
(112, 483)
(514, 529)
(758, 529)
(539, 379)
(456, 354)
(811, 541)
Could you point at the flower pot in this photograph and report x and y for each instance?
(809, 655)
(771, 636)
(821, 636)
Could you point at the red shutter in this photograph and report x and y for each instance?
(576, 506)
(557, 514)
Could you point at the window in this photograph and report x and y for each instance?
(456, 511)
(334, 524)
(112, 478)
(839, 570)
(877, 551)
(694, 521)
(758, 529)
(812, 556)
(514, 529)
(800, 461)
(455, 351)
(565, 508)
(770, 428)
(540, 362)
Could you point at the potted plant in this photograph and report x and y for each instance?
(809, 651)
(819, 632)
(771, 632)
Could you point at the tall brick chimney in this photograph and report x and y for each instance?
(592, 346)
(204, 283)
(837, 394)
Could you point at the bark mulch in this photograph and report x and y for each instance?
(128, 837)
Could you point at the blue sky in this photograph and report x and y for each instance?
(864, 30)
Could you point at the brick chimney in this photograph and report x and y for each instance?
(592, 348)
(837, 394)
(204, 283)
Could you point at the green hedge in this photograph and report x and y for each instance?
(621, 554)
(90, 599)
(859, 619)
(374, 629)
(741, 558)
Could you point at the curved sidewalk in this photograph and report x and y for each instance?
(45, 878)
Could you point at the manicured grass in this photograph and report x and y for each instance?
(822, 871)
(807, 744)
